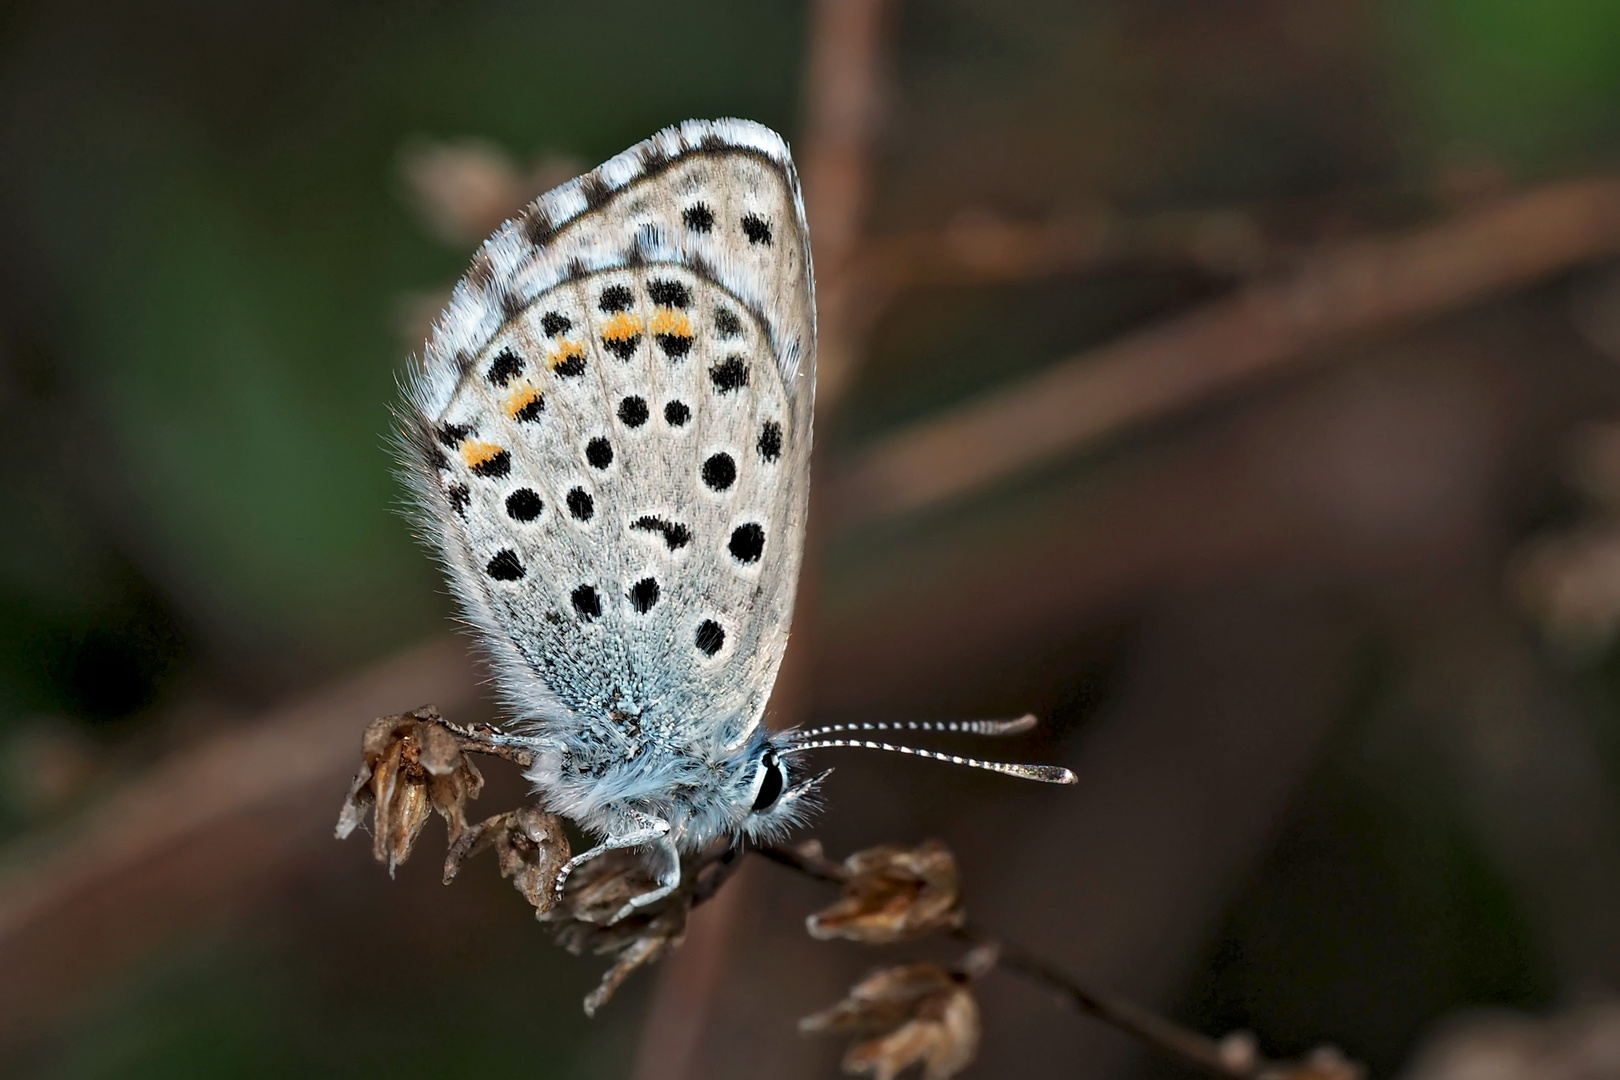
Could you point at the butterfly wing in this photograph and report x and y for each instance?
(611, 431)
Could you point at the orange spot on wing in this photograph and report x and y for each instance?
(673, 323)
(566, 351)
(476, 453)
(521, 398)
(623, 326)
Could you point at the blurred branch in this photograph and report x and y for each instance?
(163, 848)
(844, 101)
(1354, 287)
(978, 248)
(307, 741)
(1233, 1058)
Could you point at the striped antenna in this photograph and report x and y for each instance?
(1024, 723)
(1046, 774)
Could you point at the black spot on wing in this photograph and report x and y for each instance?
(675, 534)
(505, 368)
(726, 323)
(622, 347)
(675, 346)
(580, 504)
(757, 229)
(599, 452)
(459, 497)
(452, 434)
(770, 441)
(586, 602)
(698, 217)
(676, 414)
(710, 637)
(747, 542)
(719, 471)
(531, 409)
(633, 411)
(644, 594)
(504, 566)
(730, 375)
(669, 294)
(495, 466)
(615, 298)
(554, 323)
(524, 505)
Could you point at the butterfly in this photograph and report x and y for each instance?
(608, 438)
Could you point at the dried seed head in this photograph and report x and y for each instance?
(596, 892)
(530, 848)
(651, 942)
(894, 893)
(413, 765)
(924, 1014)
(599, 889)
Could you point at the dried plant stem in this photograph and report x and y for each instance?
(979, 249)
(482, 739)
(1353, 288)
(1125, 1015)
(1141, 1023)
(844, 99)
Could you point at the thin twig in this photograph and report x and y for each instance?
(484, 739)
(306, 740)
(1353, 288)
(980, 249)
(844, 102)
(1124, 1015)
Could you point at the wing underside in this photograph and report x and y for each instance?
(615, 469)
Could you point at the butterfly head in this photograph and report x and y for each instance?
(768, 797)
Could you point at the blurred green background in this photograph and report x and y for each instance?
(208, 260)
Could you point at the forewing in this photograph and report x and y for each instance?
(613, 426)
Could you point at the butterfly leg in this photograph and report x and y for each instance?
(653, 832)
(669, 876)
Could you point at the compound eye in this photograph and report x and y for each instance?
(771, 782)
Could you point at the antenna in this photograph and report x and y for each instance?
(967, 727)
(1046, 774)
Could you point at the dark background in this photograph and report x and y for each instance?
(1330, 646)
